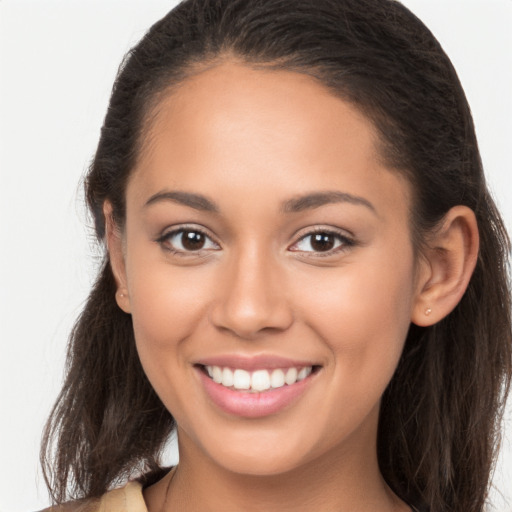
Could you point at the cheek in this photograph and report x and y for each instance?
(164, 298)
(363, 314)
(167, 305)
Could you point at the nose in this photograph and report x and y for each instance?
(252, 297)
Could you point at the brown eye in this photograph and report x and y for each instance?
(322, 242)
(192, 240)
(187, 241)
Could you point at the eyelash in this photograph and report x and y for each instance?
(345, 242)
(166, 237)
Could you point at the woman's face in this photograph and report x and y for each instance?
(266, 241)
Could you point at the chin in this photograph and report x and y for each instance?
(250, 453)
(254, 464)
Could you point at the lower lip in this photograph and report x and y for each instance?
(253, 405)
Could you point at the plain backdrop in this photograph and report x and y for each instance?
(58, 60)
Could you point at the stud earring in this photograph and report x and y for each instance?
(428, 311)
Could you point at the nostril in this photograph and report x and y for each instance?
(249, 321)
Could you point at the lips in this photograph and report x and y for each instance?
(257, 386)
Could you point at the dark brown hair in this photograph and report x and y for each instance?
(441, 414)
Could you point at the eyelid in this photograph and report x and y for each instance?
(347, 241)
(170, 231)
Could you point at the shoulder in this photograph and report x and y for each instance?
(125, 499)
(75, 506)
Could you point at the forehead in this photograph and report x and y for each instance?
(264, 129)
(233, 98)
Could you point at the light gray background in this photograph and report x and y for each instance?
(58, 60)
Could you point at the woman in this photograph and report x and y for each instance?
(299, 249)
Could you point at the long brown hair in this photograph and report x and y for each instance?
(441, 414)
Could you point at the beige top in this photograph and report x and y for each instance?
(125, 499)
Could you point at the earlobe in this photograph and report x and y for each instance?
(123, 300)
(114, 243)
(447, 266)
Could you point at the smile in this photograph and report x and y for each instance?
(255, 391)
(258, 380)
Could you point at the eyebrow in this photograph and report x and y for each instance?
(317, 199)
(294, 205)
(196, 201)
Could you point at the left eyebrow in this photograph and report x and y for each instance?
(317, 199)
(196, 201)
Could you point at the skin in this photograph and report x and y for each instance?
(251, 141)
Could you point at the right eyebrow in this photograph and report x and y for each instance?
(321, 198)
(196, 201)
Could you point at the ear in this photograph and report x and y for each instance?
(114, 240)
(446, 267)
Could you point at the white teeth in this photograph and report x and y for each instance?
(291, 376)
(303, 373)
(217, 374)
(241, 379)
(277, 379)
(227, 377)
(259, 380)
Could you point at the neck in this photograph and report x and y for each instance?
(344, 479)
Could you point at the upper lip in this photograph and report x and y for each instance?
(251, 363)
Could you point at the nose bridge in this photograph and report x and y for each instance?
(253, 297)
